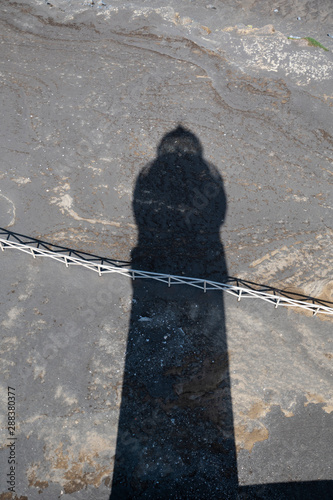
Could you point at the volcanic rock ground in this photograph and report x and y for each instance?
(89, 89)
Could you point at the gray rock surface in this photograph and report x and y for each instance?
(89, 90)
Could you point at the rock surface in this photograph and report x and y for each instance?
(89, 91)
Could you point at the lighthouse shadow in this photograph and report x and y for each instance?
(175, 434)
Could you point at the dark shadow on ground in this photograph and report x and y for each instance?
(302, 490)
(175, 436)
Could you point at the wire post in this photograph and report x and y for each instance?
(316, 312)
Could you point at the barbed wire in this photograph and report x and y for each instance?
(235, 286)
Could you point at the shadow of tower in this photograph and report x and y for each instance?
(175, 434)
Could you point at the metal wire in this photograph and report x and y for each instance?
(234, 286)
